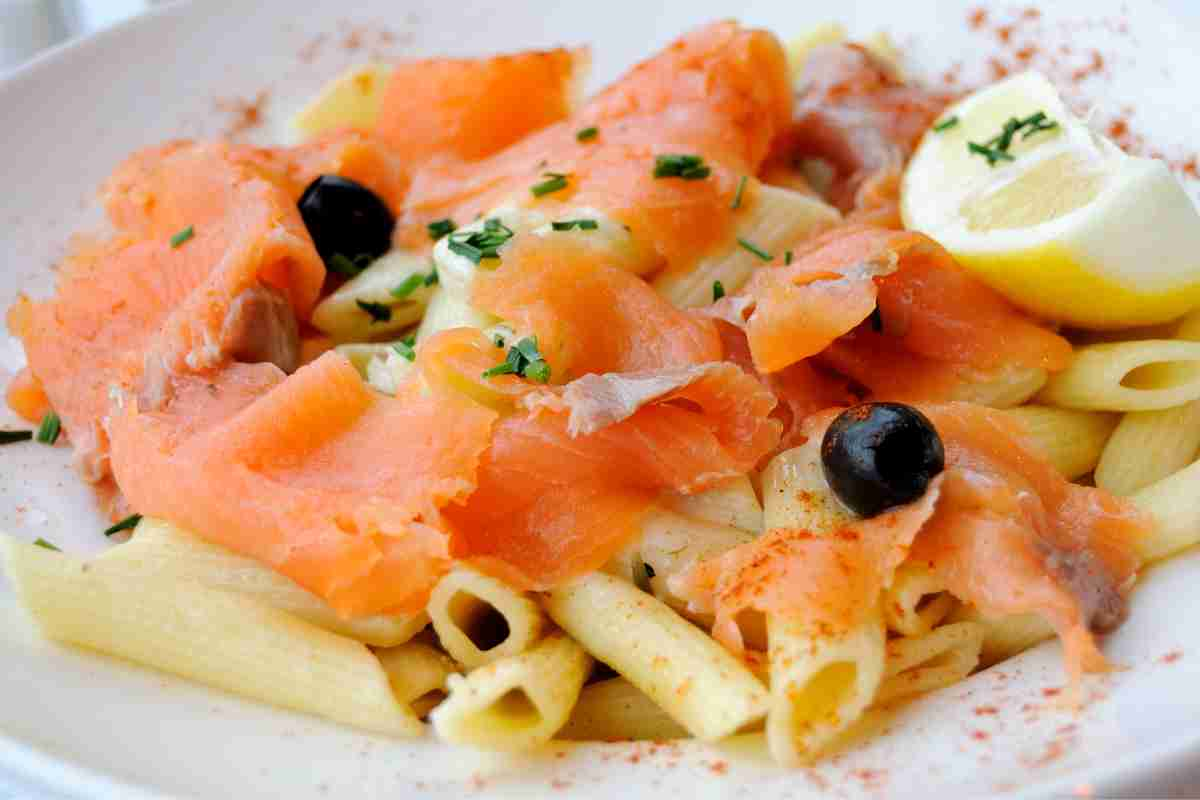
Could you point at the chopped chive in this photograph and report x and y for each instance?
(379, 311)
(12, 437)
(40, 542)
(498, 341)
(126, 524)
(787, 257)
(523, 359)
(946, 124)
(404, 348)
(992, 155)
(439, 228)
(478, 245)
(581, 224)
(674, 165)
(343, 265)
(996, 148)
(408, 285)
(183, 236)
(48, 431)
(553, 183)
(737, 196)
(431, 277)
(718, 290)
(751, 247)
(587, 134)
(876, 320)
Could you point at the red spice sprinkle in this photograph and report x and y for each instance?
(981, 711)
(1051, 692)
(1031, 13)
(719, 767)
(977, 18)
(247, 114)
(1004, 33)
(1174, 655)
(980, 736)
(560, 784)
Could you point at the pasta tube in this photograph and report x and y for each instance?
(616, 710)
(479, 619)
(161, 549)
(732, 503)
(916, 602)
(1174, 504)
(691, 677)
(217, 638)
(1128, 376)
(399, 282)
(1004, 636)
(1072, 440)
(934, 660)
(515, 703)
(417, 673)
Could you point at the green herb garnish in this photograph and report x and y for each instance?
(996, 148)
(787, 257)
(439, 228)
(553, 183)
(183, 236)
(126, 524)
(379, 312)
(431, 277)
(737, 196)
(751, 247)
(11, 437)
(587, 134)
(47, 432)
(478, 245)
(405, 347)
(40, 542)
(524, 360)
(690, 168)
(344, 265)
(408, 285)
(581, 224)
(718, 290)
(946, 124)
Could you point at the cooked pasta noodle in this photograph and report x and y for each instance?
(479, 619)
(1128, 376)
(615, 710)
(933, 660)
(1073, 440)
(916, 602)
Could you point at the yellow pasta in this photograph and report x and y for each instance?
(1073, 440)
(350, 100)
(1174, 505)
(479, 619)
(159, 548)
(1005, 388)
(1006, 635)
(934, 660)
(694, 679)
(773, 218)
(732, 503)
(1128, 376)
(341, 316)
(615, 710)
(417, 672)
(515, 703)
(217, 638)
(916, 602)
(820, 683)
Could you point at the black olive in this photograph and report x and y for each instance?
(880, 455)
(347, 218)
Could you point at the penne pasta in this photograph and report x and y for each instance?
(821, 683)
(695, 680)
(933, 660)
(515, 703)
(916, 602)
(399, 282)
(161, 549)
(417, 672)
(1147, 446)
(616, 710)
(1004, 636)
(1073, 440)
(1005, 388)
(1128, 376)
(351, 100)
(773, 218)
(217, 638)
(448, 310)
(1174, 505)
(732, 503)
(608, 240)
(479, 619)
(799, 48)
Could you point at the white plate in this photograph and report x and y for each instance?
(75, 725)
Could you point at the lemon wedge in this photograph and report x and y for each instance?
(1061, 221)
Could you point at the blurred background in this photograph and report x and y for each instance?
(29, 26)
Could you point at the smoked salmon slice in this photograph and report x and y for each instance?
(588, 316)
(129, 314)
(470, 108)
(563, 485)
(720, 93)
(337, 486)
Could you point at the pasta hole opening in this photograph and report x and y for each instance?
(1161, 375)
(816, 703)
(427, 702)
(753, 626)
(516, 710)
(479, 620)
